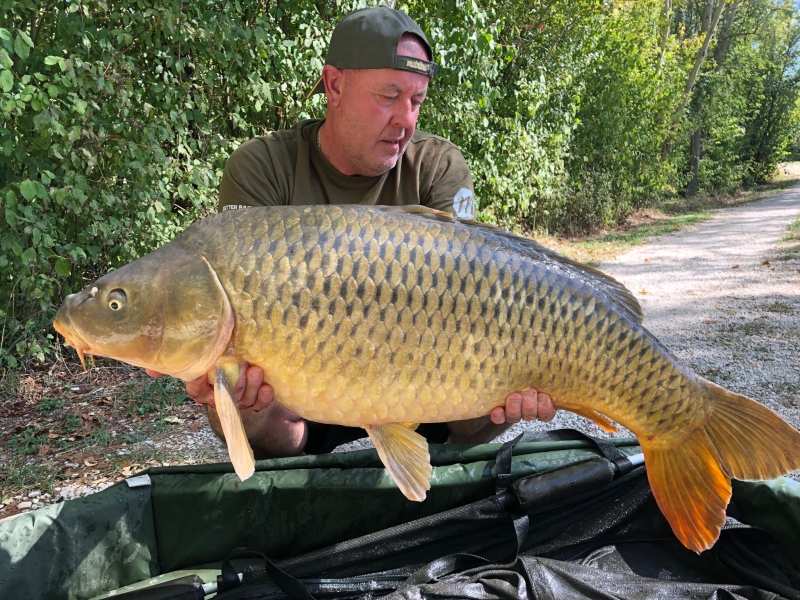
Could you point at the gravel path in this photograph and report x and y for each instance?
(718, 295)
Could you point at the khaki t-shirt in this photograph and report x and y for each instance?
(286, 168)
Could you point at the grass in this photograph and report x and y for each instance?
(9, 386)
(50, 404)
(791, 248)
(142, 397)
(595, 249)
(25, 442)
(21, 474)
(791, 387)
(778, 307)
(664, 217)
(757, 327)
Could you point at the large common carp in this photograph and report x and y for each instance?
(384, 318)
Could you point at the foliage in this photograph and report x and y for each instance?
(749, 92)
(117, 118)
(117, 121)
(769, 118)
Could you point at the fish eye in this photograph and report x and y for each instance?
(116, 299)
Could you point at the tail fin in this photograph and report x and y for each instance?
(692, 481)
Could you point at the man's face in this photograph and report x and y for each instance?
(379, 110)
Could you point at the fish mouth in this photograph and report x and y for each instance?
(63, 326)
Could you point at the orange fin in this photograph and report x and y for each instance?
(405, 455)
(752, 441)
(690, 489)
(691, 480)
(602, 421)
(239, 450)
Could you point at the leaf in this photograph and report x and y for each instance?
(28, 189)
(6, 81)
(55, 60)
(28, 256)
(173, 419)
(41, 191)
(62, 267)
(22, 49)
(25, 37)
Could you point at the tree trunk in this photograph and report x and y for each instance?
(687, 93)
(720, 54)
(665, 17)
(724, 37)
(694, 162)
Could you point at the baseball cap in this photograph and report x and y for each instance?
(367, 39)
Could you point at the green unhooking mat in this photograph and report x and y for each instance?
(338, 524)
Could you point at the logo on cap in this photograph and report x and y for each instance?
(418, 65)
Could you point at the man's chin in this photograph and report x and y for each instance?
(387, 164)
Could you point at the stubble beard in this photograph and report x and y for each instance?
(369, 166)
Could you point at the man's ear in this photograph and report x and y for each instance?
(334, 82)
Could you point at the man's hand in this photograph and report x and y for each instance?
(528, 405)
(250, 391)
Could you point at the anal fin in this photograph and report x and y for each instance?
(239, 450)
(405, 455)
(602, 421)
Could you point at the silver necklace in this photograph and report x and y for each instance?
(319, 131)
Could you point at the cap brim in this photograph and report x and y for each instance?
(319, 88)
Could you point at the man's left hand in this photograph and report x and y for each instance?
(528, 405)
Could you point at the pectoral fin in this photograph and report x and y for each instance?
(405, 455)
(239, 449)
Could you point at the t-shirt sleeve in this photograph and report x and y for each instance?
(452, 190)
(252, 178)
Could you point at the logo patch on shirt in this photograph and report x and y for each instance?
(464, 203)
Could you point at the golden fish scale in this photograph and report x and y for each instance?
(365, 317)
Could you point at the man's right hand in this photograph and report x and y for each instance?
(250, 391)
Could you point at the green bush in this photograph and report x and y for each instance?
(117, 121)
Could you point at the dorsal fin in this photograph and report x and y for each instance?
(621, 296)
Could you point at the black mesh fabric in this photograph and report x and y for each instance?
(612, 542)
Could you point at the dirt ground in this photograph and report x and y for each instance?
(723, 295)
(66, 433)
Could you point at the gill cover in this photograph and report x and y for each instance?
(166, 311)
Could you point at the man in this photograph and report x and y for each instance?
(366, 151)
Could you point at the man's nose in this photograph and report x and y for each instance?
(405, 115)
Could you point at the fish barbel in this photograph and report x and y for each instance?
(383, 318)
